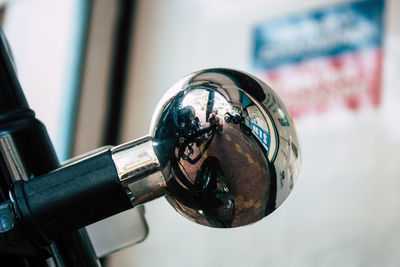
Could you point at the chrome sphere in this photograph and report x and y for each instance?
(227, 146)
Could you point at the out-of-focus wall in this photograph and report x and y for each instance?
(344, 208)
(176, 37)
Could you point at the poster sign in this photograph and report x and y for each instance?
(262, 135)
(325, 60)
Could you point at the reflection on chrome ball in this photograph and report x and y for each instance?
(227, 146)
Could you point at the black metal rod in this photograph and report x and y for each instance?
(37, 154)
(71, 197)
(12, 99)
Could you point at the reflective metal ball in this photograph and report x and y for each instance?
(227, 146)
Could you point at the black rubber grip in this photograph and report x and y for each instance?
(71, 197)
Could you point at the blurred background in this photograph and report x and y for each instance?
(94, 71)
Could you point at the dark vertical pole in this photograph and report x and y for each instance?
(28, 138)
(119, 71)
(12, 99)
(14, 116)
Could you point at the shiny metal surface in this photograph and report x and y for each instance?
(227, 147)
(139, 170)
(135, 159)
(148, 188)
(10, 154)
